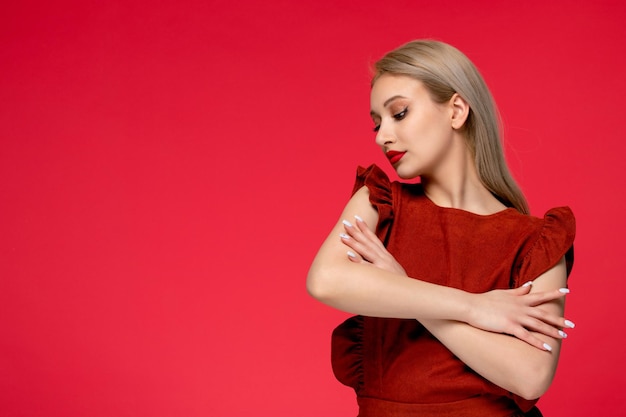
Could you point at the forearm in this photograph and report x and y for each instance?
(504, 360)
(508, 361)
(362, 289)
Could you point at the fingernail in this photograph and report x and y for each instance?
(344, 236)
(358, 218)
(564, 290)
(563, 334)
(528, 284)
(351, 254)
(569, 324)
(547, 347)
(347, 223)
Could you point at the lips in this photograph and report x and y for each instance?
(394, 156)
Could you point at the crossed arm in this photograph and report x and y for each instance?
(475, 327)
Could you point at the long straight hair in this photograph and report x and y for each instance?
(444, 71)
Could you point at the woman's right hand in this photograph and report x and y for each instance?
(516, 312)
(367, 248)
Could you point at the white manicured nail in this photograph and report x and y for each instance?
(347, 223)
(358, 218)
(344, 236)
(564, 290)
(547, 347)
(528, 284)
(563, 334)
(569, 324)
(351, 254)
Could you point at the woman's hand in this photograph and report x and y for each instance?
(515, 312)
(366, 248)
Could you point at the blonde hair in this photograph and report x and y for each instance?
(444, 71)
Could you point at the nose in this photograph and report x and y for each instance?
(384, 136)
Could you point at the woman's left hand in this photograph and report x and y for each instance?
(366, 248)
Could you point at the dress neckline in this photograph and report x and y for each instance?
(462, 211)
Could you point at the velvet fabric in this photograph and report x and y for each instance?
(396, 366)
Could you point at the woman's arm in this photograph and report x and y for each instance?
(504, 360)
(359, 288)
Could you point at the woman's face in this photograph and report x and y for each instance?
(414, 132)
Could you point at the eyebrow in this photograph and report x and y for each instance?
(386, 103)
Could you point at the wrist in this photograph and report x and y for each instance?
(467, 306)
(457, 305)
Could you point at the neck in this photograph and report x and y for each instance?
(456, 184)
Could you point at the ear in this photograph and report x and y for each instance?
(460, 111)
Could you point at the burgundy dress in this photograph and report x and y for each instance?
(396, 366)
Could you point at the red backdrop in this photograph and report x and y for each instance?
(168, 170)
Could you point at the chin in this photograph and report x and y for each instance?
(407, 174)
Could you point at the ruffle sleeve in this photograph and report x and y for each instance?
(381, 196)
(555, 240)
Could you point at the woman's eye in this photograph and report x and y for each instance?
(376, 128)
(400, 115)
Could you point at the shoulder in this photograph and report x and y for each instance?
(557, 224)
(374, 179)
(548, 240)
(373, 185)
(559, 221)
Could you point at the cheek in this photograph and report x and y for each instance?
(438, 132)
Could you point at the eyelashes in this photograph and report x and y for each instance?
(401, 114)
(397, 116)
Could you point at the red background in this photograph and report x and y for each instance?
(168, 170)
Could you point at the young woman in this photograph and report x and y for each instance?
(458, 290)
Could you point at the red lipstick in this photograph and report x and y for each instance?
(394, 156)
